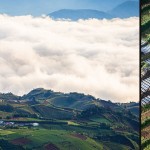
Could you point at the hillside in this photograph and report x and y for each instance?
(132, 106)
(145, 75)
(72, 117)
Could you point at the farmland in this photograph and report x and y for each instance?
(37, 138)
(145, 76)
(44, 119)
(63, 138)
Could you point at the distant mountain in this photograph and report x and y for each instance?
(126, 10)
(79, 14)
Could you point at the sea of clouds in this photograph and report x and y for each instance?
(97, 57)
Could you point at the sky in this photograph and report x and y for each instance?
(97, 57)
(39, 7)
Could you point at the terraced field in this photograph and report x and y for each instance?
(66, 121)
(145, 74)
(46, 139)
(57, 138)
(145, 19)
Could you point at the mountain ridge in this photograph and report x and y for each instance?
(124, 10)
(72, 100)
(76, 14)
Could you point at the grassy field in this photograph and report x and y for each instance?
(5, 132)
(40, 137)
(73, 136)
(66, 122)
(101, 120)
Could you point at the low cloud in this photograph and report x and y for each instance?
(97, 57)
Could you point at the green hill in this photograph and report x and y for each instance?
(67, 120)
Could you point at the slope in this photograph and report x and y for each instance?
(126, 10)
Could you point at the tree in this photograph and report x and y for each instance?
(8, 117)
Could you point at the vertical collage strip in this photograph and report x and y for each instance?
(145, 75)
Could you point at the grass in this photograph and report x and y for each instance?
(5, 132)
(115, 146)
(25, 119)
(72, 123)
(101, 120)
(61, 135)
(61, 138)
(4, 114)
